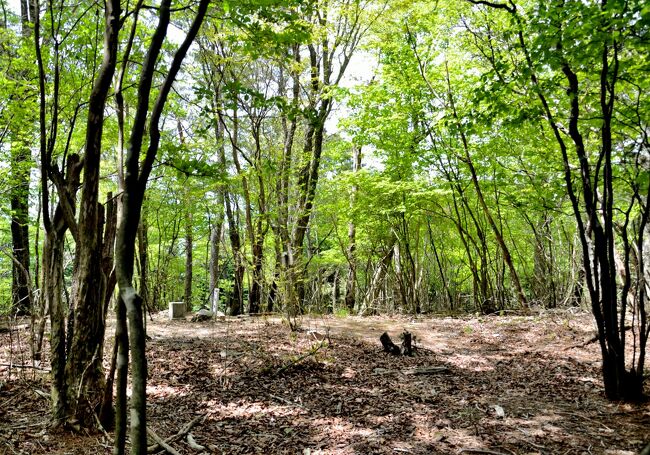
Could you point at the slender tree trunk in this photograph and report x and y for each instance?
(443, 277)
(377, 282)
(189, 245)
(20, 168)
(351, 280)
(236, 304)
(514, 276)
(19, 196)
(215, 242)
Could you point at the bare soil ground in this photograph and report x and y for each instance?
(510, 385)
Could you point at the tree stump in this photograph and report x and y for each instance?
(407, 347)
(392, 348)
(388, 344)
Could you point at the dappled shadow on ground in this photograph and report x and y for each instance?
(509, 385)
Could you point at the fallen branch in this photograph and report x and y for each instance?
(16, 328)
(161, 442)
(424, 370)
(192, 443)
(182, 432)
(593, 339)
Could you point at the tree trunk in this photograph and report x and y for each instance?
(19, 196)
(20, 278)
(351, 280)
(143, 247)
(215, 241)
(514, 276)
(84, 375)
(135, 182)
(189, 244)
(236, 303)
(53, 249)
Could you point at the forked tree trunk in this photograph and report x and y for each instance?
(84, 375)
(136, 177)
(498, 235)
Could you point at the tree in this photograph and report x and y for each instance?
(591, 71)
(135, 181)
(21, 167)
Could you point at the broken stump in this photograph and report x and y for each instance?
(407, 347)
(392, 348)
(388, 344)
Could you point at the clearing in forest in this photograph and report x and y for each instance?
(493, 384)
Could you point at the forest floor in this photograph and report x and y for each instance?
(491, 384)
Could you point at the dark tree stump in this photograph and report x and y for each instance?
(407, 347)
(388, 344)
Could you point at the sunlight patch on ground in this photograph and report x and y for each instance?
(161, 392)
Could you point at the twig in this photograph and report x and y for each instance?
(289, 402)
(182, 432)
(580, 416)
(162, 443)
(100, 426)
(15, 365)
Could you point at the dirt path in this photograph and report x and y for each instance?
(510, 385)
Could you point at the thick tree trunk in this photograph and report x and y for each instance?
(84, 375)
(121, 372)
